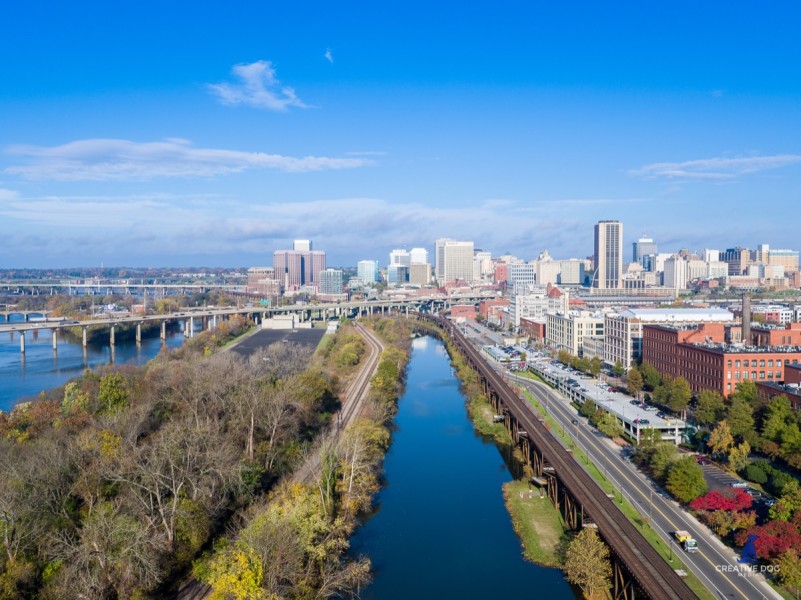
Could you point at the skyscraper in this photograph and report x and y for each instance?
(296, 268)
(642, 248)
(367, 271)
(456, 261)
(302, 245)
(330, 282)
(608, 255)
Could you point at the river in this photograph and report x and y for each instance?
(24, 376)
(441, 529)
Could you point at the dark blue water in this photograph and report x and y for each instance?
(24, 376)
(442, 530)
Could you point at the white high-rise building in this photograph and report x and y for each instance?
(676, 273)
(331, 282)
(367, 271)
(483, 268)
(400, 257)
(454, 260)
(608, 255)
(571, 272)
(418, 255)
(302, 245)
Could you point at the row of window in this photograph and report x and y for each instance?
(762, 363)
(762, 375)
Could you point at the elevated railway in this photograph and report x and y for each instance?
(638, 570)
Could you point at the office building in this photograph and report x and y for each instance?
(397, 274)
(419, 273)
(608, 255)
(297, 268)
(566, 331)
(642, 248)
(367, 271)
(418, 255)
(454, 261)
(330, 282)
(302, 245)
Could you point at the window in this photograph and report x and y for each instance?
(728, 387)
(745, 374)
(728, 374)
(770, 363)
(753, 363)
(737, 363)
(729, 363)
(762, 374)
(753, 375)
(762, 363)
(737, 375)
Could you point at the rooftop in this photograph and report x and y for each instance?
(678, 314)
(727, 348)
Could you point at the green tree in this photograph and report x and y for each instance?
(721, 439)
(740, 416)
(777, 412)
(588, 408)
(651, 377)
(679, 394)
(113, 394)
(587, 563)
(747, 390)
(790, 440)
(710, 407)
(685, 480)
(608, 424)
(595, 366)
(662, 456)
(633, 381)
(789, 502)
(618, 369)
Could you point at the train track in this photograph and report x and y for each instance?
(652, 574)
(355, 394)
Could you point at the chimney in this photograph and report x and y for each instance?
(746, 337)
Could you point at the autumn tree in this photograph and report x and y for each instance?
(738, 456)
(634, 381)
(587, 563)
(721, 439)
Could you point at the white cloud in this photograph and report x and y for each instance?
(115, 159)
(258, 87)
(8, 195)
(328, 56)
(714, 168)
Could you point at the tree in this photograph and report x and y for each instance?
(634, 381)
(789, 502)
(608, 424)
(679, 394)
(710, 408)
(663, 455)
(595, 366)
(777, 413)
(740, 416)
(651, 377)
(618, 369)
(588, 408)
(789, 565)
(587, 563)
(685, 480)
(738, 456)
(113, 394)
(721, 439)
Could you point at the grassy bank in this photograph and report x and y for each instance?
(537, 523)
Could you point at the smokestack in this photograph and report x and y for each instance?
(746, 338)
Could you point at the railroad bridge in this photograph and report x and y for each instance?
(638, 571)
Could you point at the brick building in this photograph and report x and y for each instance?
(701, 355)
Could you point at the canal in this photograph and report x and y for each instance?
(25, 376)
(441, 529)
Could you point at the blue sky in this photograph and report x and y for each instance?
(188, 133)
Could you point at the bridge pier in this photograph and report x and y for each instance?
(22, 342)
(111, 336)
(163, 333)
(55, 340)
(622, 583)
(83, 336)
(138, 333)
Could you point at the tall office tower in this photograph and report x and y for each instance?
(737, 258)
(642, 248)
(400, 257)
(288, 267)
(330, 281)
(313, 263)
(457, 261)
(608, 255)
(439, 258)
(302, 245)
(367, 271)
(482, 265)
(420, 273)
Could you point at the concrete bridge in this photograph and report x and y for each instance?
(209, 317)
(637, 569)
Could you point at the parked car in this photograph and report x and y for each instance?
(634, 402)
(738, 484)
(702, 460)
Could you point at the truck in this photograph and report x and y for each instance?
(686, 540)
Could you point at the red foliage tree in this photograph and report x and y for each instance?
(774, 538)
(718, 501)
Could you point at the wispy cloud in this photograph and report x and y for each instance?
(328, 56)
(7, 195)
(714, 169)
(257, 86)
(115, 159)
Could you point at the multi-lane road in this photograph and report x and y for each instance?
(714, 564)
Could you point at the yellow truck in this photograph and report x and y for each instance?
(686, 540)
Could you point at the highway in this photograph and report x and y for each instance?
(715, 565)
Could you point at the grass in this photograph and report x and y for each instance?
(625, 506)
(537, 523)
(481, 414)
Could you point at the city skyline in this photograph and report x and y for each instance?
(209, 137)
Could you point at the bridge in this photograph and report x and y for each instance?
(210, 316)
(637, 569)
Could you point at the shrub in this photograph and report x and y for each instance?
(755, 473)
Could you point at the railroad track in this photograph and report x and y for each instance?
(652, 574)
(355, 394)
